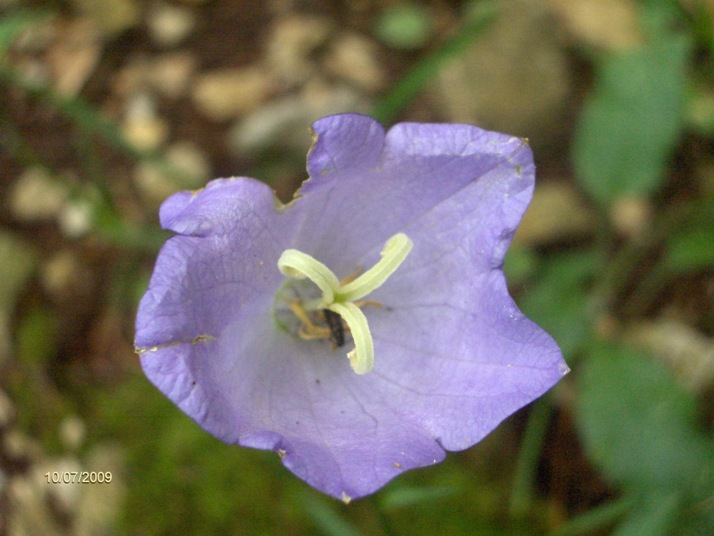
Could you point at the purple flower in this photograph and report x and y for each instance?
(255, 353)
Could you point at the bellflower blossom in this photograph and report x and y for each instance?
(390, 255)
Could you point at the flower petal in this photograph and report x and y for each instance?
(419, 167)
(453, 355)
(218, 277)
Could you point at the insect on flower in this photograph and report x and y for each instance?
(337, 328)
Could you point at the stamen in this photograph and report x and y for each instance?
(342, 298)
(309, 330)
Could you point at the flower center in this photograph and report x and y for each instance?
(343, 298)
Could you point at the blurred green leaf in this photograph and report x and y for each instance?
(520, 264)
(13, 23)
(665, 514)
(699, 521)
(17, 261)
(688, 234)
(558, 300)
(691, 246)
(411, 496)
(692, 250)
(111, 227)
(639, 425)
(651, 516)
(405, 25)
(702, 23)
(632, 120)
(36, 338)
(595, 519)
(659, 17)
(523, 489)
(655, 516)
(327, 520)
(28, 377)
(700, 110)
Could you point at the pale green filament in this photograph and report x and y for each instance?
(340, 298)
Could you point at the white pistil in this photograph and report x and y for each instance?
(362, 357)
(299, 265)
(340, 298)
(393, 254)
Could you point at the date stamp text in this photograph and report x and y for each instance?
(78, 477)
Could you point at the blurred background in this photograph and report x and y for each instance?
(108, 107)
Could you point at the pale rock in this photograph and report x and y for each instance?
(169, 25)
(157, 183)
(18, 445)
(36, 195)
(132, 77)
(29, 511)
(153, 183)
(272, 123)
(192, 161)
(353, 58)
(632, 216)
(67, 494)
(112, 16)
(513, 79)
(34, 506)
(72, 432)
(38, 507)
(146, 133)
(64, 276)
(285, 122)
(227, 93)
(141, 124)
(76, 217)
(170, 73)
(74, 55)
(557, 212)
(606, 24)
(291, 44)
(101, 505)
(686, 351)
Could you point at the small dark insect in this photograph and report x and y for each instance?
(337, 330)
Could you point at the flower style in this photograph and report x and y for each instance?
(391, 254)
